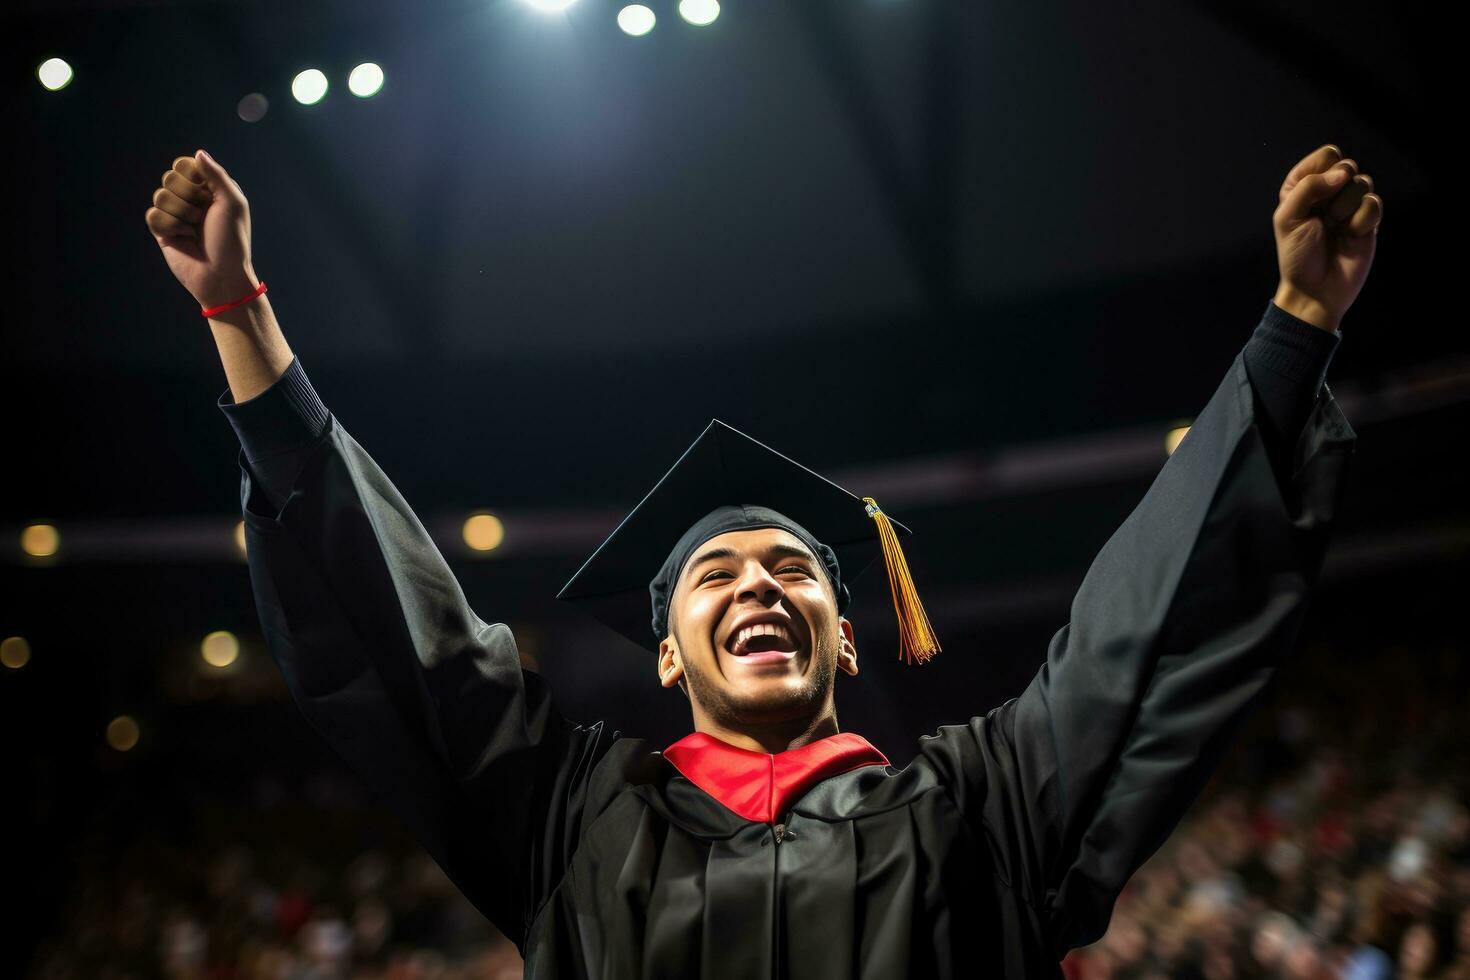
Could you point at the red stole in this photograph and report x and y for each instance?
(759, 786)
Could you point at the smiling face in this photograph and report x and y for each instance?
(754, 631)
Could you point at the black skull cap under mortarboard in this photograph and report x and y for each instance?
(728, 481)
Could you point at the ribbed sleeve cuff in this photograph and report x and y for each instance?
(1292, 347)
(288, 415)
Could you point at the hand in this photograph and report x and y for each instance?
(201, 221)
(1326, 231)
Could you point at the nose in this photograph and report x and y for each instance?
(757, 582)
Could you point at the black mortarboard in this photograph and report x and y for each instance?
(727, 481)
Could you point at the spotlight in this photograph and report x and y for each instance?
(54, 74)
(365, 81)
(636, 20)
(309, 87)
(699, 12)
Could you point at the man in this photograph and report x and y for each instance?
(767, 842)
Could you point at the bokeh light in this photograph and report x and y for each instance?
(220, 648)
(253, 107)
(122, 733)
(1174, 438)
(309, 87)
(40, 540)
(15, 652)
(240, 537)
(484, 532)
(55, 74)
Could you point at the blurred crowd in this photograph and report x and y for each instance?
(278, 915)
(1333, 843)
(1315, 881)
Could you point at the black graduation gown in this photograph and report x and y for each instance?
(1002, 845)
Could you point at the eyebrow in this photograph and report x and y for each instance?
(779, 550)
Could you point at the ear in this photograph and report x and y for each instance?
(847, 656)
(670, 664)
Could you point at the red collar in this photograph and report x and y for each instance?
(759, 785)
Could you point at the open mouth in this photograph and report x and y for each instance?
(763, 643)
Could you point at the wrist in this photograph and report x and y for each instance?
(228, 288)
(1305, 308)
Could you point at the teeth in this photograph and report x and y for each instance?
(761, 629)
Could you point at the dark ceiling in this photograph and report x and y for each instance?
(873, 234)
(547, 253)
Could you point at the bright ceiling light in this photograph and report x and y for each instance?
(54, 74)
(309, 87)
(699, 12)
(636, 20)
(365, 81)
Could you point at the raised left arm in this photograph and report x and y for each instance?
(1159, 684)
(1178, 626)
(1180, 622)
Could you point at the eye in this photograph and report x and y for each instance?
(721, 571)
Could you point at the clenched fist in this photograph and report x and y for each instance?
(1326, 225)
(201, 221)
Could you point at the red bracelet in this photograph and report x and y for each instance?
(216, 310)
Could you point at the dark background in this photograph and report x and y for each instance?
(973, 259)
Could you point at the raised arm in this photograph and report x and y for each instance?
(1177, 629)
(1186, 612)
(378, 646)
(1179, 624)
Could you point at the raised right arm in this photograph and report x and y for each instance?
(373, 634)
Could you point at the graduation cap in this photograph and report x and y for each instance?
(727, 481)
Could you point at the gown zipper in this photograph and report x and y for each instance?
(779, 833)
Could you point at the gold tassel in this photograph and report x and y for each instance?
(917, 642)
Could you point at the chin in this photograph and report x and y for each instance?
(775, 698)
(768, 695)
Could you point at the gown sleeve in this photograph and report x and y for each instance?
(386, 660)
(1179, 624)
